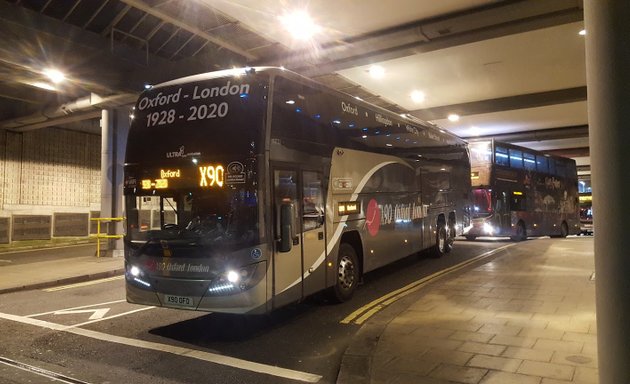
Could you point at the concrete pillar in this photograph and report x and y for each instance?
(114, 129)
(608, 80)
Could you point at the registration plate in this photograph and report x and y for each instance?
(181, 301)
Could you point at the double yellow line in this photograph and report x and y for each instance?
(364, 313)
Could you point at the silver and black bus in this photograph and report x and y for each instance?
(249, 189)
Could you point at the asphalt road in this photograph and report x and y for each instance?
(90, 334)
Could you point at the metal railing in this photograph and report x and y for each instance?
(100, 235)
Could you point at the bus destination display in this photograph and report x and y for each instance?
(163, 108)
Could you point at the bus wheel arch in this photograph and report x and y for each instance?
(564, 229)
(452, 227)
(443, 244)
(521, 232)
(348, 268)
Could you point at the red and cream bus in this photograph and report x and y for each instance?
(519, 192)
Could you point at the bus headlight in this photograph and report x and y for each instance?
(234, 280)
(136, 276)
(487, 228)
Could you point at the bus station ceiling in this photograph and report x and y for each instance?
(513, 70)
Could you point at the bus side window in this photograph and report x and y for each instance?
(285, 187)
(517, 201)
(313, 209)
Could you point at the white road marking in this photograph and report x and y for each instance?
(111, 317)
(81, 307)
(40, 371)
(84, 284)
(98, 313)
(5, 261)
(180, 351)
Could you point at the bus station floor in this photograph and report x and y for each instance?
(525, 317)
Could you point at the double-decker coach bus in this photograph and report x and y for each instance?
(519, 192)
(250, 189)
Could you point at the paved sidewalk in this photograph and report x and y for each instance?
(54, 269)
(527, 317)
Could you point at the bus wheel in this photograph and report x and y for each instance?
(441, 241)
(471, 237)
(521, 232)
(347, 274)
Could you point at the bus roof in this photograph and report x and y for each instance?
(279, 71)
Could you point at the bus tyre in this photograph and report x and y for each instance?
(441, 241)
(347, 274)
(471, 237)
(521, 232)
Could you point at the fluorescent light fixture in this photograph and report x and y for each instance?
(55, 75)
(418, 96)
(299, 24)
(377, 72)
(453, 117)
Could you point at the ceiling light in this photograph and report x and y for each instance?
(582, 32)
(299, 24)
(418, 96)
(54, 75)
(453, 117)
(377, 72)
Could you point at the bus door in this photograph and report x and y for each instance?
(313, 242)
(287, 257)
(502, 212)
(303, 192)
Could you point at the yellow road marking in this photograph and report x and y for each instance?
(364, 313)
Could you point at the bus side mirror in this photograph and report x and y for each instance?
(286, 227)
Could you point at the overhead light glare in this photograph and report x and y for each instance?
(55, 75)
(377, 72)
(418, 96)
(299, 24)
(474, 131)
(43, 85)
(582, 32)
(453, 117)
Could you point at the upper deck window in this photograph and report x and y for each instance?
(516, 158)
(552, 166)
(541, 164)
(529, 161)
(501, 156)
